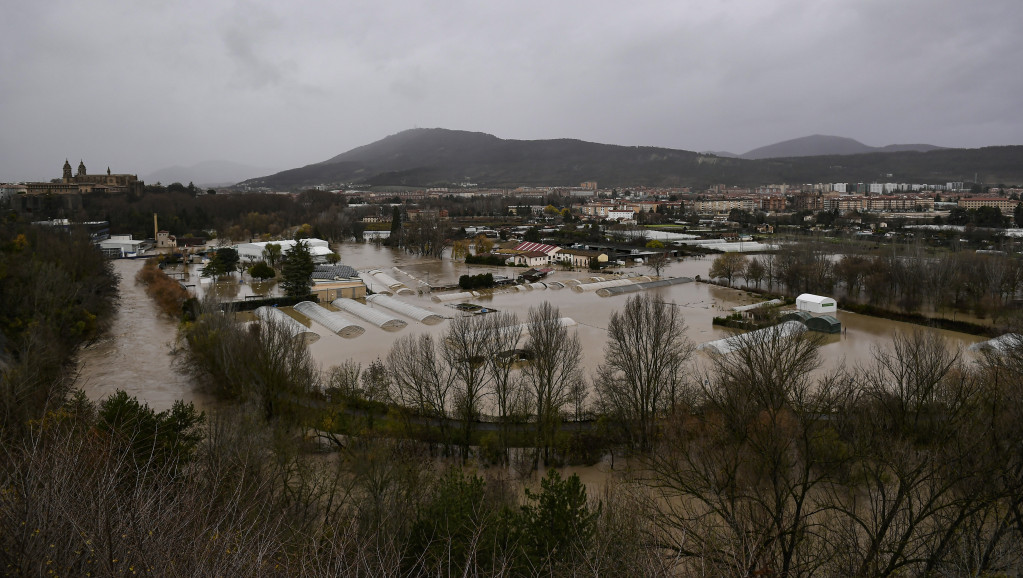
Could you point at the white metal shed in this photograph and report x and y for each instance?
(816, 303)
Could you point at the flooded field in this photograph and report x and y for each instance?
(698, 302)
(136, 356)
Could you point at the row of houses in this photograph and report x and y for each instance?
(771, 203)
(625, 209)
(904, 203)
(877, 200)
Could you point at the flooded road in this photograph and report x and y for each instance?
(136, 355)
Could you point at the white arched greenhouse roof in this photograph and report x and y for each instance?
(407, 309)
(448, 297)
(367, 313)
(393, 284)
(276, 316)
(373, 285)
(332, 320)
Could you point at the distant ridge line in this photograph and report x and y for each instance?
(437, 157)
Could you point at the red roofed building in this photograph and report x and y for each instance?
(548, 250)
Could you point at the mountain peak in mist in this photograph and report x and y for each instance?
(826, 145)
(206, 173)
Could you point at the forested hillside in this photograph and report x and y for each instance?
(438, 157)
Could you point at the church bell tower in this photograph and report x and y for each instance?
(67, 171)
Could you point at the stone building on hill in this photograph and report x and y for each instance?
(64, 195)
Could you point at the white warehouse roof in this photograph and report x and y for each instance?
(811, 298)
(318, 249)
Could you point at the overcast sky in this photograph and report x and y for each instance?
(146, 84)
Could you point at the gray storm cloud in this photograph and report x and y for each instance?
(144, 85)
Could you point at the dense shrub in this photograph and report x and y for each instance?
(493, 260)
(262, 271)
(168, 294)
(481, 281)
(56, 292)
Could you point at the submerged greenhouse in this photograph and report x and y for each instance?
(282, 319)
(367, 313)
(332, 320)
(407, 309)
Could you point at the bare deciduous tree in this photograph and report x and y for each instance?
(644, 365)
(738, 477)
(918, 444)
(508, 396)
(420, 381)
(466, 347)
(554, 357)
(657, 262)
(727, 266)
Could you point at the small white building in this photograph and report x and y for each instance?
(164, 240)
(122, 246)
(530, 259)
(815, 304)
(620, 215)
(253, 252)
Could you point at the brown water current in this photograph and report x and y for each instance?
(136, 354)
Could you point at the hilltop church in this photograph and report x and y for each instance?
(65, 194)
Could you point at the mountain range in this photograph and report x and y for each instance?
(442, 157)
(821, 144)
(208, 173)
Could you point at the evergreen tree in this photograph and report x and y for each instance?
(556, 522)
(296, 271)
(224, 261)
(395, 223)
(168, 437)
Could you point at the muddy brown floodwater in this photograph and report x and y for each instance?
(698, 302)
(136, 356)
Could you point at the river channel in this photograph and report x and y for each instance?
(136, 356)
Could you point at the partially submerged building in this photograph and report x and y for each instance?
(293, 327)
(319, 249)
(816, 312)
(332, 320)
(824, 324)
(744, 340)
(333, 281)
(816, 304)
